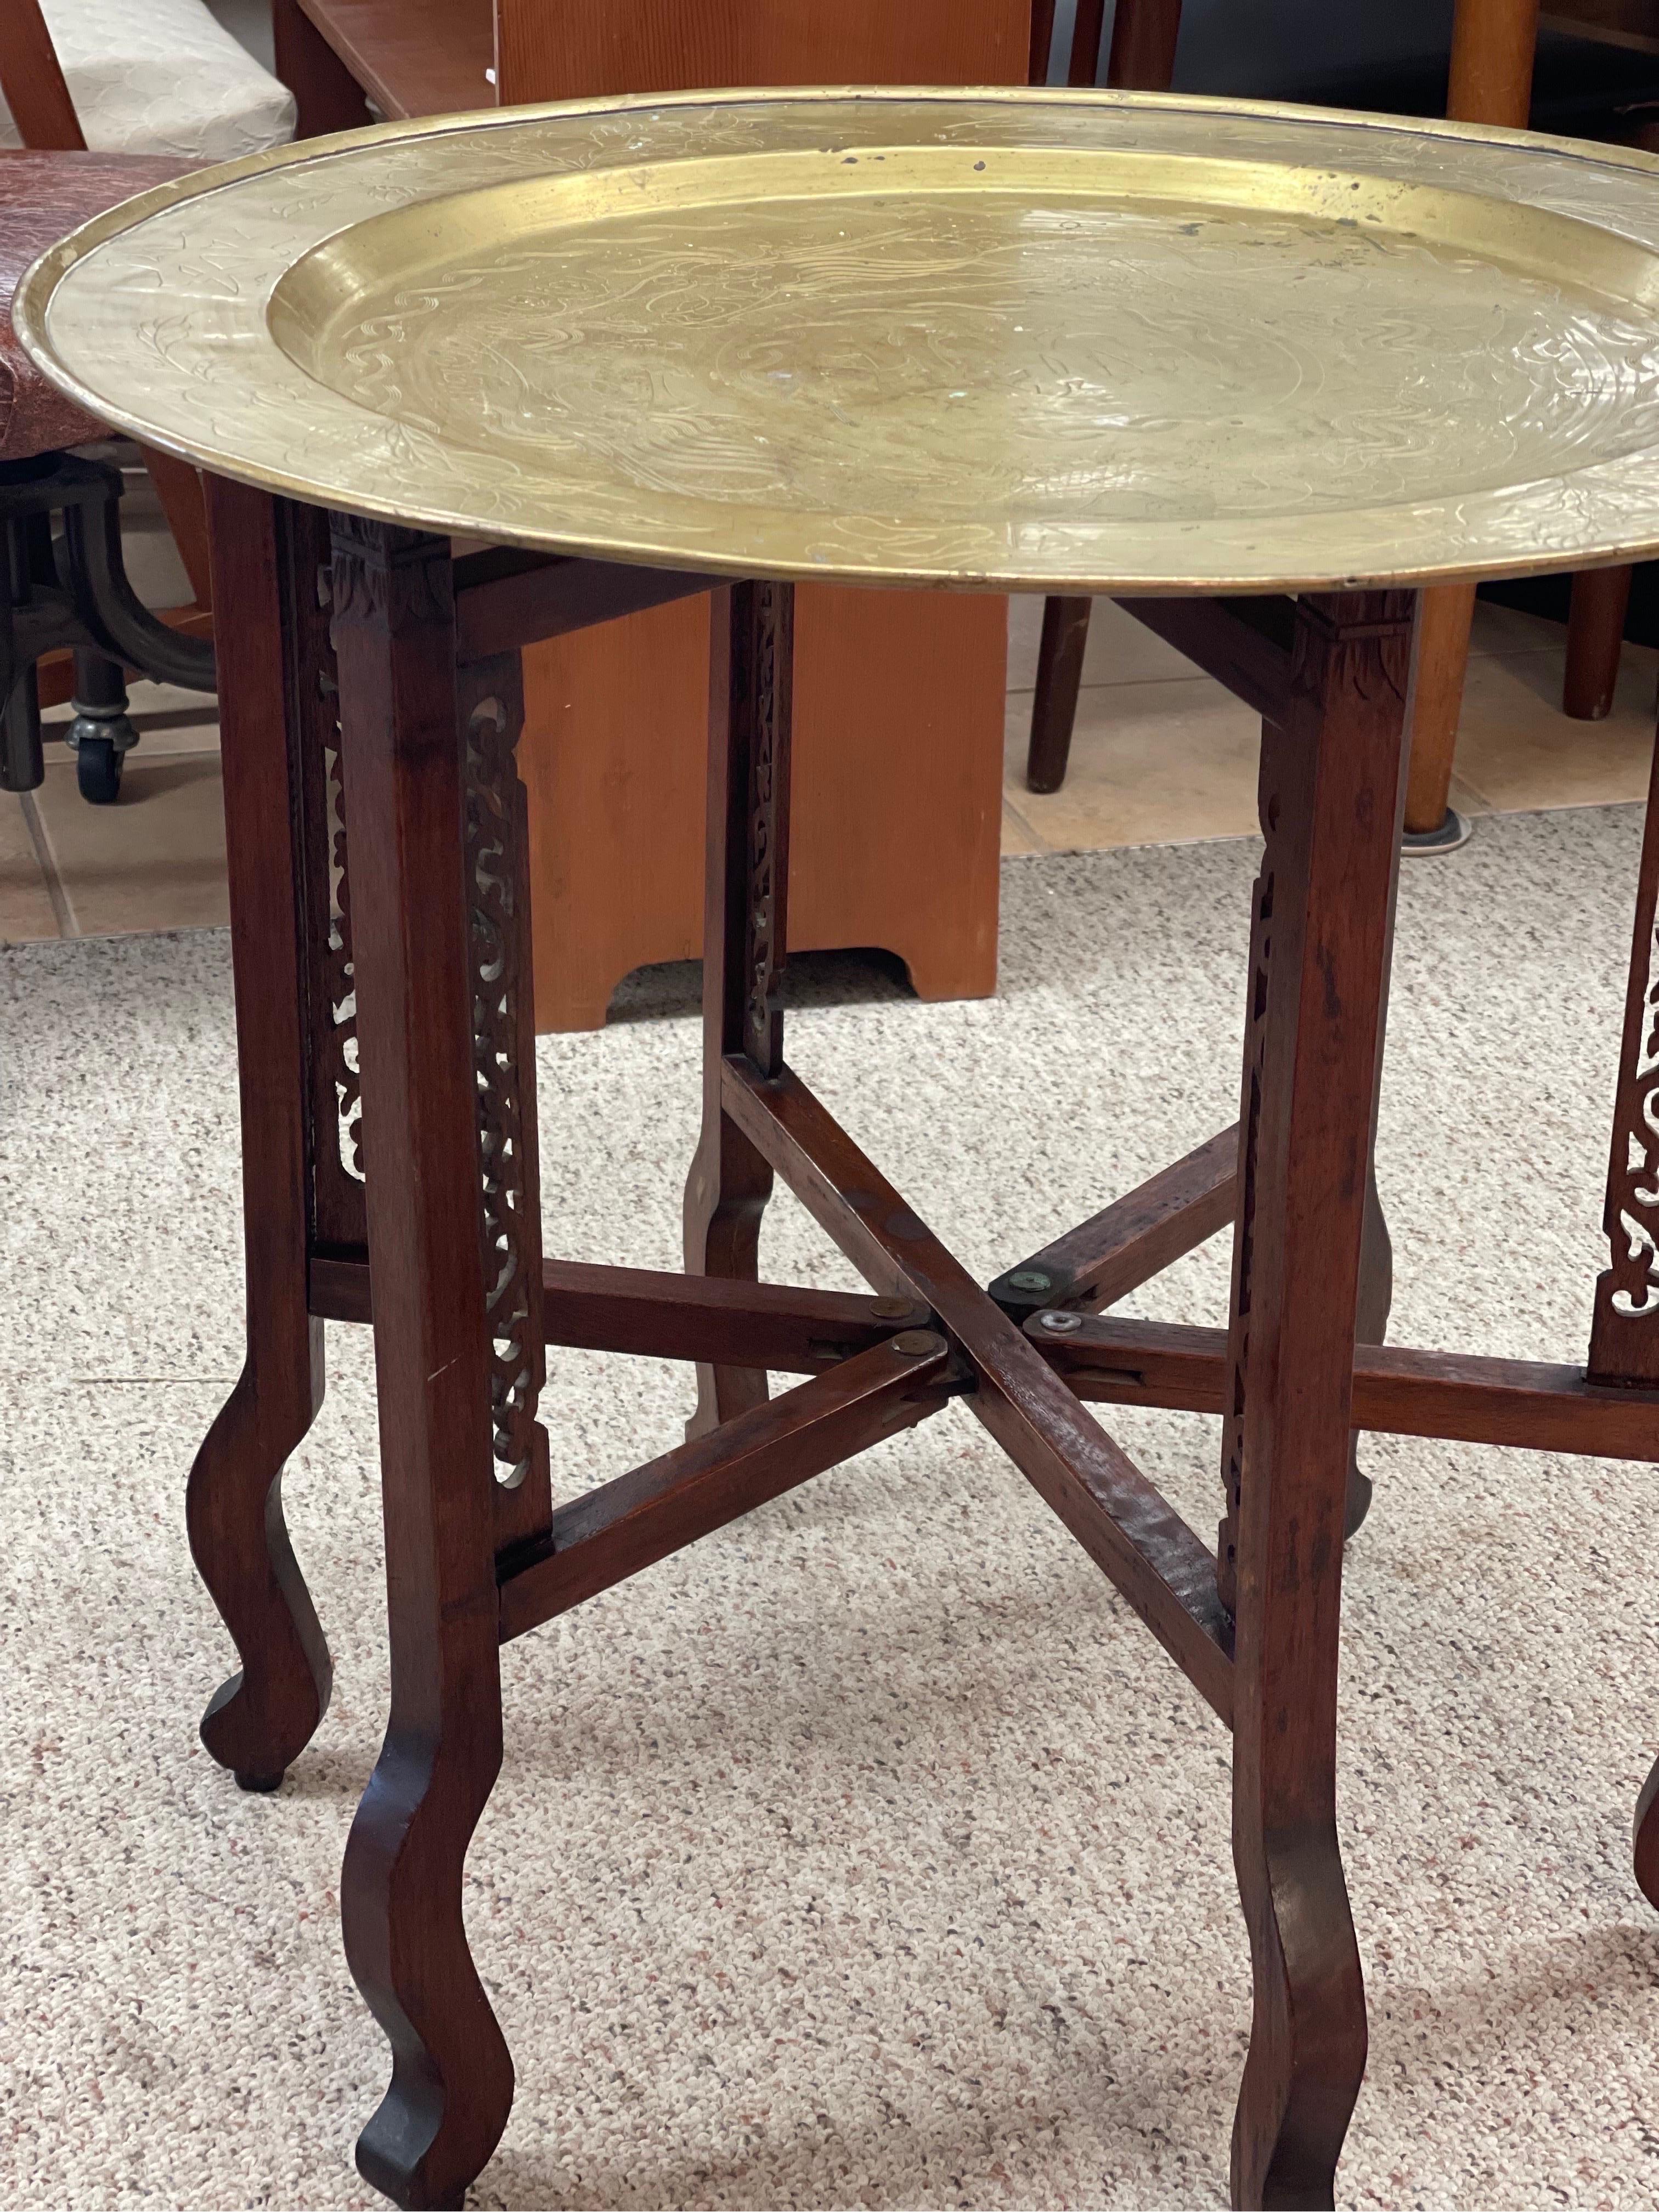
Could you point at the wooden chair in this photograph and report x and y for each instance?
(71, 625)
(1491, 81)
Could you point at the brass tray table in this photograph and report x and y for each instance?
(1261, 372)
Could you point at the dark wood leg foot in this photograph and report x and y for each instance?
(264, 1716)
(745, 931)
(1331, 795)
(260, 1720)
(1059, 677)
(1371, 1327)
(412, 894)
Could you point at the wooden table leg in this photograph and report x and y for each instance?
(751, 689)
(1625, 1330)
(263, 1717)
(1331, 796)
(451, 2080)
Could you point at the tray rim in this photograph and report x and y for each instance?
(38, 285)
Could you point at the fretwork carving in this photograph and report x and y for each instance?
(1249, 1126)
(768, 705)
(1625, 1333)
(339, 1220)
(503, 1027)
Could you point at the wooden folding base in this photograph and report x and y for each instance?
(387, 1071)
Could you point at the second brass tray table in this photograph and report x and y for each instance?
(1259, 374)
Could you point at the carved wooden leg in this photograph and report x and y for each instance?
(745, 935)
(1625, 1330)
(265, 1716)
(1331, 796)
(451, 2079)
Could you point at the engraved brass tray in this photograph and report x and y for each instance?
(1000, 339)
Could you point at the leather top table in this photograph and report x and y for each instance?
(1260, 374)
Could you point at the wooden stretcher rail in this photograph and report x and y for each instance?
(1129, 1241)
(1244, 643)
(505, 598)
(1127, 1527)
(630, 1523)
(659, 1315)
(1405, 1393)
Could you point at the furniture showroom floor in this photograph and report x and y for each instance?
(1163, 754)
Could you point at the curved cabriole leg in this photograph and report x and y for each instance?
(451, 2074)
(745, 931)
(1330, 810)
(451, 2077)
(259, 1721)
(1371, 1327)
(263, 1717)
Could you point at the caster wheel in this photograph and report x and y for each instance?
(98, 771)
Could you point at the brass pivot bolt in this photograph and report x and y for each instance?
(916, 1343)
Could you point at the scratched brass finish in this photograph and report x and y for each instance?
(1020, 339)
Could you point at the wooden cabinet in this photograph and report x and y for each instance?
(898, 696)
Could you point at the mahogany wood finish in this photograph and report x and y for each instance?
(746, 848)
(1534, 1403)
(263, 1717)
(624, 1526)
(636, 1310)
(380, 880)
(1132, 1240)
(1622, 1349)
(452, 2081)
(1331, 796)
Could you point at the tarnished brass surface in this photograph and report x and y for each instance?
(1037, 340)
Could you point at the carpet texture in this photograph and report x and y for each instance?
(871, 1853)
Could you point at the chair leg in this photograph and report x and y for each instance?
(745, 935)
(265, 1716)
(401, 1892)
(1443, 663)
(1596, 642)
(1330, 809)
(1059, 678)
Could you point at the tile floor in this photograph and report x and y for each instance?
(1161, 755)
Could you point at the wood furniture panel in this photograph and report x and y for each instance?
(571, 49)
(411, 57)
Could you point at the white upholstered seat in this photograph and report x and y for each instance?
(161, 76)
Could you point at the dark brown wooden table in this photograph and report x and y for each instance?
(379, 900)
(371, 699)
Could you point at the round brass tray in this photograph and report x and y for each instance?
(1001, 338)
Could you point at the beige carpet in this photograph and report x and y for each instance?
(870, 1854)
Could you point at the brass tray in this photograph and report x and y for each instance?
(1001, 338)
